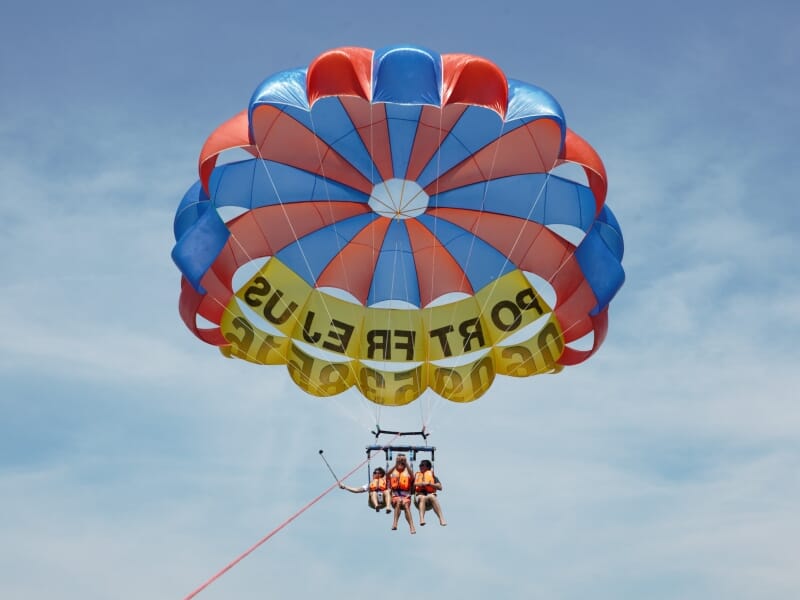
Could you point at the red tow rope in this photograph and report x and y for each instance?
(271, 533)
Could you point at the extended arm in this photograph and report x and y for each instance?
(355, 490)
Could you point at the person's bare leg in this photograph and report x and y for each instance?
(396, 513)
(423, 504)
(438, 510)
(407, 510)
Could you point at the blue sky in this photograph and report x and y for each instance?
(136, 462)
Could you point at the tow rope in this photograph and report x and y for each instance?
(255, 546)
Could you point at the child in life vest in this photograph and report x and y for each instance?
(426, 484)
(378, 490)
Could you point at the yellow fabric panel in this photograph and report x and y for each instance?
(453, 329)
(248, 342)
(493, 314)
(464, 383)
(318, 376)
(533, 356)
(331, 324)
(391, 388)
(393, 335)
(356, 333)
(276, 293)
(509, 304)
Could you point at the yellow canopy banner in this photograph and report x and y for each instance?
(330, 344)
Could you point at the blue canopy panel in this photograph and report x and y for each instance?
(404, 75)
(194, 203)
(255, 182)
(282, 90)
(539, 197)
(477, 127)
(330, 122)
(395, 275)
(199, 244)
(481, 262)
(611, 232)
(527, 102)
(328, 119)
(402, 121)
(309, 255)
(600, 256)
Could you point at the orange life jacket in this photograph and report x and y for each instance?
(378, 484)
(424, 482)
(400, 480)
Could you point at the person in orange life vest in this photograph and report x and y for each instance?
(401, 483)
(426, 484)
(378, 490)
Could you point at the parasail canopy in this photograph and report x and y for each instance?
(397, 225)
